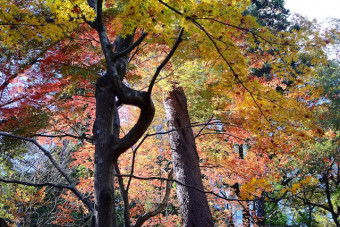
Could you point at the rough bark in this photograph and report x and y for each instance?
(110, 93)
(193, 204)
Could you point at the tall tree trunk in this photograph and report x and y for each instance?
(111, 92)
(193, 204)
(106, 132)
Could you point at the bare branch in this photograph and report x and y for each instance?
(86, 201)
(159, 68)
(65, 135)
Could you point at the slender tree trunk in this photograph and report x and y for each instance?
(108, 145)
(111, 92)
(245, 205)
(193, 204)
(260, 212)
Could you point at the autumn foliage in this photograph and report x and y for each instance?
(258, 100)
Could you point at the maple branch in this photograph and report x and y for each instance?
(191, 126)
(134, 160)
(255, 34)
(65, 135)
(183, 184)
(136, 51)
(170, 7)
(247, 30)
(140, 221)
(129, 49)
(306, 201)
(231, 68)
(12, 101)
(222, 133)
(329, 200)
(161, 133)
(98, 6)
(36, 184)
(86, 201)
(165, 61)
(145, 118)
(220, 53)
(166, 132)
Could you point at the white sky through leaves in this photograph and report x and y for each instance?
(315, 8)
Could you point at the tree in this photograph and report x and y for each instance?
(193, 204)
(55, 33)
(320, 166)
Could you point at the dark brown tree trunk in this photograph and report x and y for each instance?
(106, 132)
(103, 159)
(111, 92)
(245, 204)
(260, 212)
(193, 204)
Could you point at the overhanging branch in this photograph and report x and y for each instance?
(36, 184)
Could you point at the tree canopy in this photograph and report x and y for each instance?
(85, 87)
